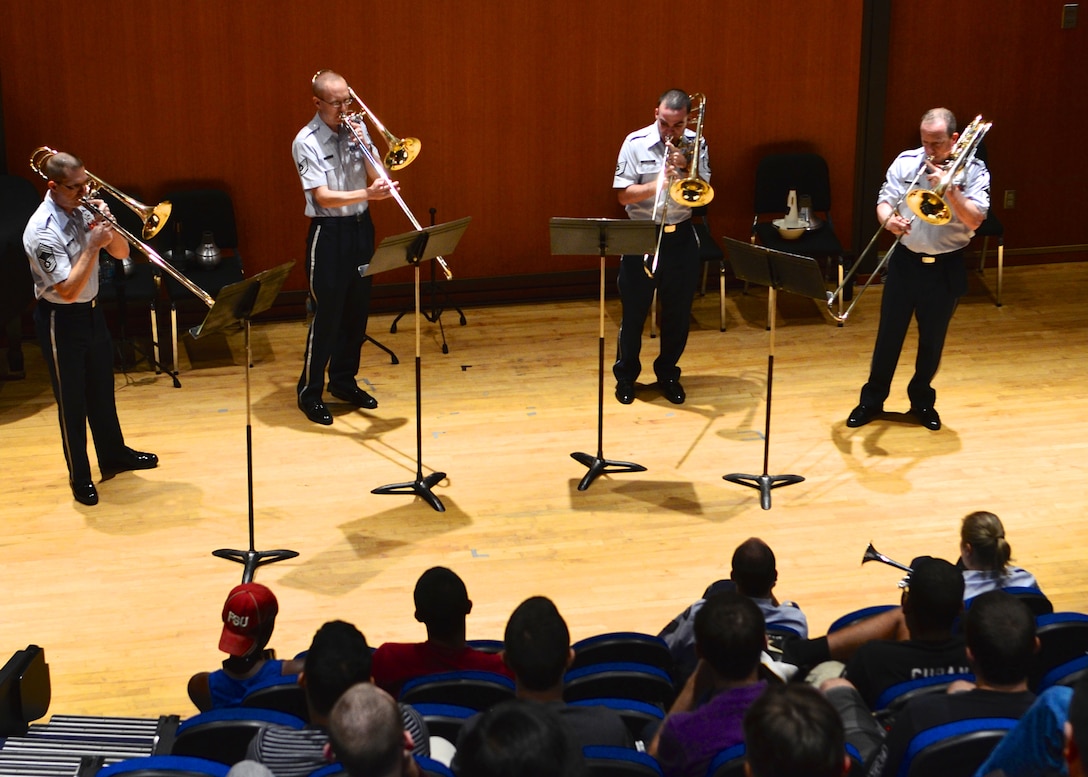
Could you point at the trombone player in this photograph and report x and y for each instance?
(649, 160)
(926, 273)
(338, 183)
(62, 240)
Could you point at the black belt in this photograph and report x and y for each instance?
(69, 306)
(357, 217)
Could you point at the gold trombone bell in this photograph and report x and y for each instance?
(402, 151)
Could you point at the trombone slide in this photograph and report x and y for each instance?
(401, 153)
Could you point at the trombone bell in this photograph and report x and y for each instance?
(929, 206)
(692, 192)
(401, 153)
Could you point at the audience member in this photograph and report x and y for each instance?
(793, 730)
(537, 651)
(249, 769)
(337, 660)
(1034, 746)
(708, 713)
(249, 617)
(1001, 642)
(984, 557)
(1076, 730)
(931, 602)
(517, 737)
(442, 604)
(367, 736)
(753, 574)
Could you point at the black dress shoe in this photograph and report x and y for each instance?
(625, 391)
(355, 396)
(927, 416)
(316, 411)
(673, 391)
(863, 414)
(85, 493)
(129, 460)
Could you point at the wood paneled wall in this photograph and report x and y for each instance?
(1011, 62)
(521, 107)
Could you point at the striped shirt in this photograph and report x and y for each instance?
(289, 752)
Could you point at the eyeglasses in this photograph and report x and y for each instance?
(345, 103)
(75, 187)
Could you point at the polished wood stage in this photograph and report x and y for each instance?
(125, 597)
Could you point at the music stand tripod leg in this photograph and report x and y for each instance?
(599, 465)
(392, 356)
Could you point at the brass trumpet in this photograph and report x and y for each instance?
(401, 154)
(154, 218)
(689, 192)
(872, 555)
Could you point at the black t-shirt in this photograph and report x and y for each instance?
(938, 708)
(880, 664)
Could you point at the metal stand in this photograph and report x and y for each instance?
(434, 315)
(240, 302)
(775, 270)
(412, 248)
(120, 281)
(583, 237)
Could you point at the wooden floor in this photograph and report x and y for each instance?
(125, 597)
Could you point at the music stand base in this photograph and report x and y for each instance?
(392, 356)
(764, 483)
(251, 559)
(602, 466)
(421, 487)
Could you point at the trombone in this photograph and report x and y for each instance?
(154, 218)
(402, 152)
(926, 204)
(690, 191)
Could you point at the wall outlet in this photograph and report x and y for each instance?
(1069, 16)
(1010, 199)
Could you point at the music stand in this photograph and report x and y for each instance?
(434, 315)
(775, 270)
(240, 302)
(411, 248)
(585, 237)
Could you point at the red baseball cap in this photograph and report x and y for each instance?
(249, 608)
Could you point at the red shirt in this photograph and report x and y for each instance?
(394, 663)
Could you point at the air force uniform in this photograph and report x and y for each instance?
(640, 160)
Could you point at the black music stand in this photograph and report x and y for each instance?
(120, 280)
(775, 270)
(434, 315)
(585, 237)
(240, 302)
(411, 248)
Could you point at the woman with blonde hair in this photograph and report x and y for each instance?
(985, 555)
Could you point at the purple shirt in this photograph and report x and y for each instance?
(690, 740)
